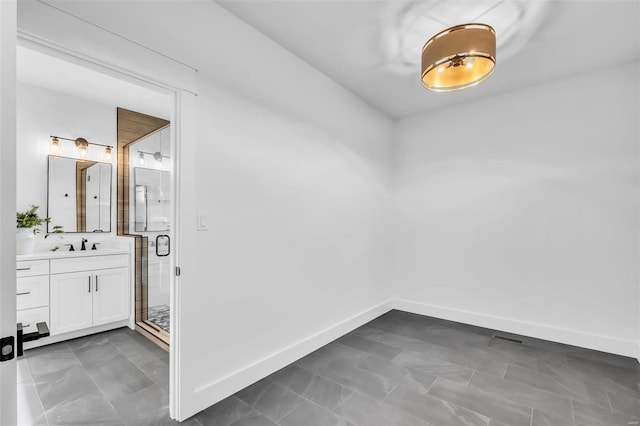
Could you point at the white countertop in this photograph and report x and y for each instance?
(64, 253)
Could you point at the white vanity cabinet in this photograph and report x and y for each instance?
(88, 292)
(75, 294)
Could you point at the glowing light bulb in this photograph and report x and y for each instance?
(54, 147)
(441, 69)
(108, 156)
(141, 158)
(83, 147)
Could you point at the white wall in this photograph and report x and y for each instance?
(298, 229)
(296, 184)
(42, 112)
(521, 211)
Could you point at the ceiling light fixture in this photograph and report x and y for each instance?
(459, 57)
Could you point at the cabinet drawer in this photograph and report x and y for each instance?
(32, 292)
(29, 268)
(29, 318)
(89, 263)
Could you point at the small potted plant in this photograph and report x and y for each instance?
(28, 223)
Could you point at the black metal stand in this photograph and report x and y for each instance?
(43, 331)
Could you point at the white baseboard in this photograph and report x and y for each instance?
(210, 393)
(598, 342)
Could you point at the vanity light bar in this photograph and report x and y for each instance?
(82, 144)
(73, 140)
(153, 154)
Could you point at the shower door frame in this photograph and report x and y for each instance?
(141, 245)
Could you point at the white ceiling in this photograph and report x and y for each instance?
(347, 40)
(39, 69)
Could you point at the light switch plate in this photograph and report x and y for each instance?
(203, 221)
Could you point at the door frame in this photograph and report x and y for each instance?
(182, 105)
(8, 378)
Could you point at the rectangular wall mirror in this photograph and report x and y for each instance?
(152, 201)
(79, 195)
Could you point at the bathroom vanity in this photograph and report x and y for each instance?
(74, 293)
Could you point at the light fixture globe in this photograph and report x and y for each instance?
(83, 147)
(459, 57)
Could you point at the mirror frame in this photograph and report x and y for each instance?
(51, 225)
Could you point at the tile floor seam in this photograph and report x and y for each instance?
(499, 398)
(389, 393)
(451, 362)
(397, 410)
(343, 401)
(327, 379)
(35, 387)
(136, 366)
(609, 401)
(570, 380)
(104, 396)
(340, 403)
(100, 390)
(431, 385)
(311, 402)
(473, 373)
(98, 387)
(544, 391)
(285, 414)
(368, 371)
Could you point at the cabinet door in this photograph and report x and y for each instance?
(71, 302)
(111, 295)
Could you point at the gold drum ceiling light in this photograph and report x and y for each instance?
(459, 57)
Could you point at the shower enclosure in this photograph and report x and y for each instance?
(145, 206)
(150, 191)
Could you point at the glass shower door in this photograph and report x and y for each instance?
(151, 197)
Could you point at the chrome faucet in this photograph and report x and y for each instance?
(83, 248)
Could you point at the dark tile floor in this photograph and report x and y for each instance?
(112, 378)
(399, 370)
